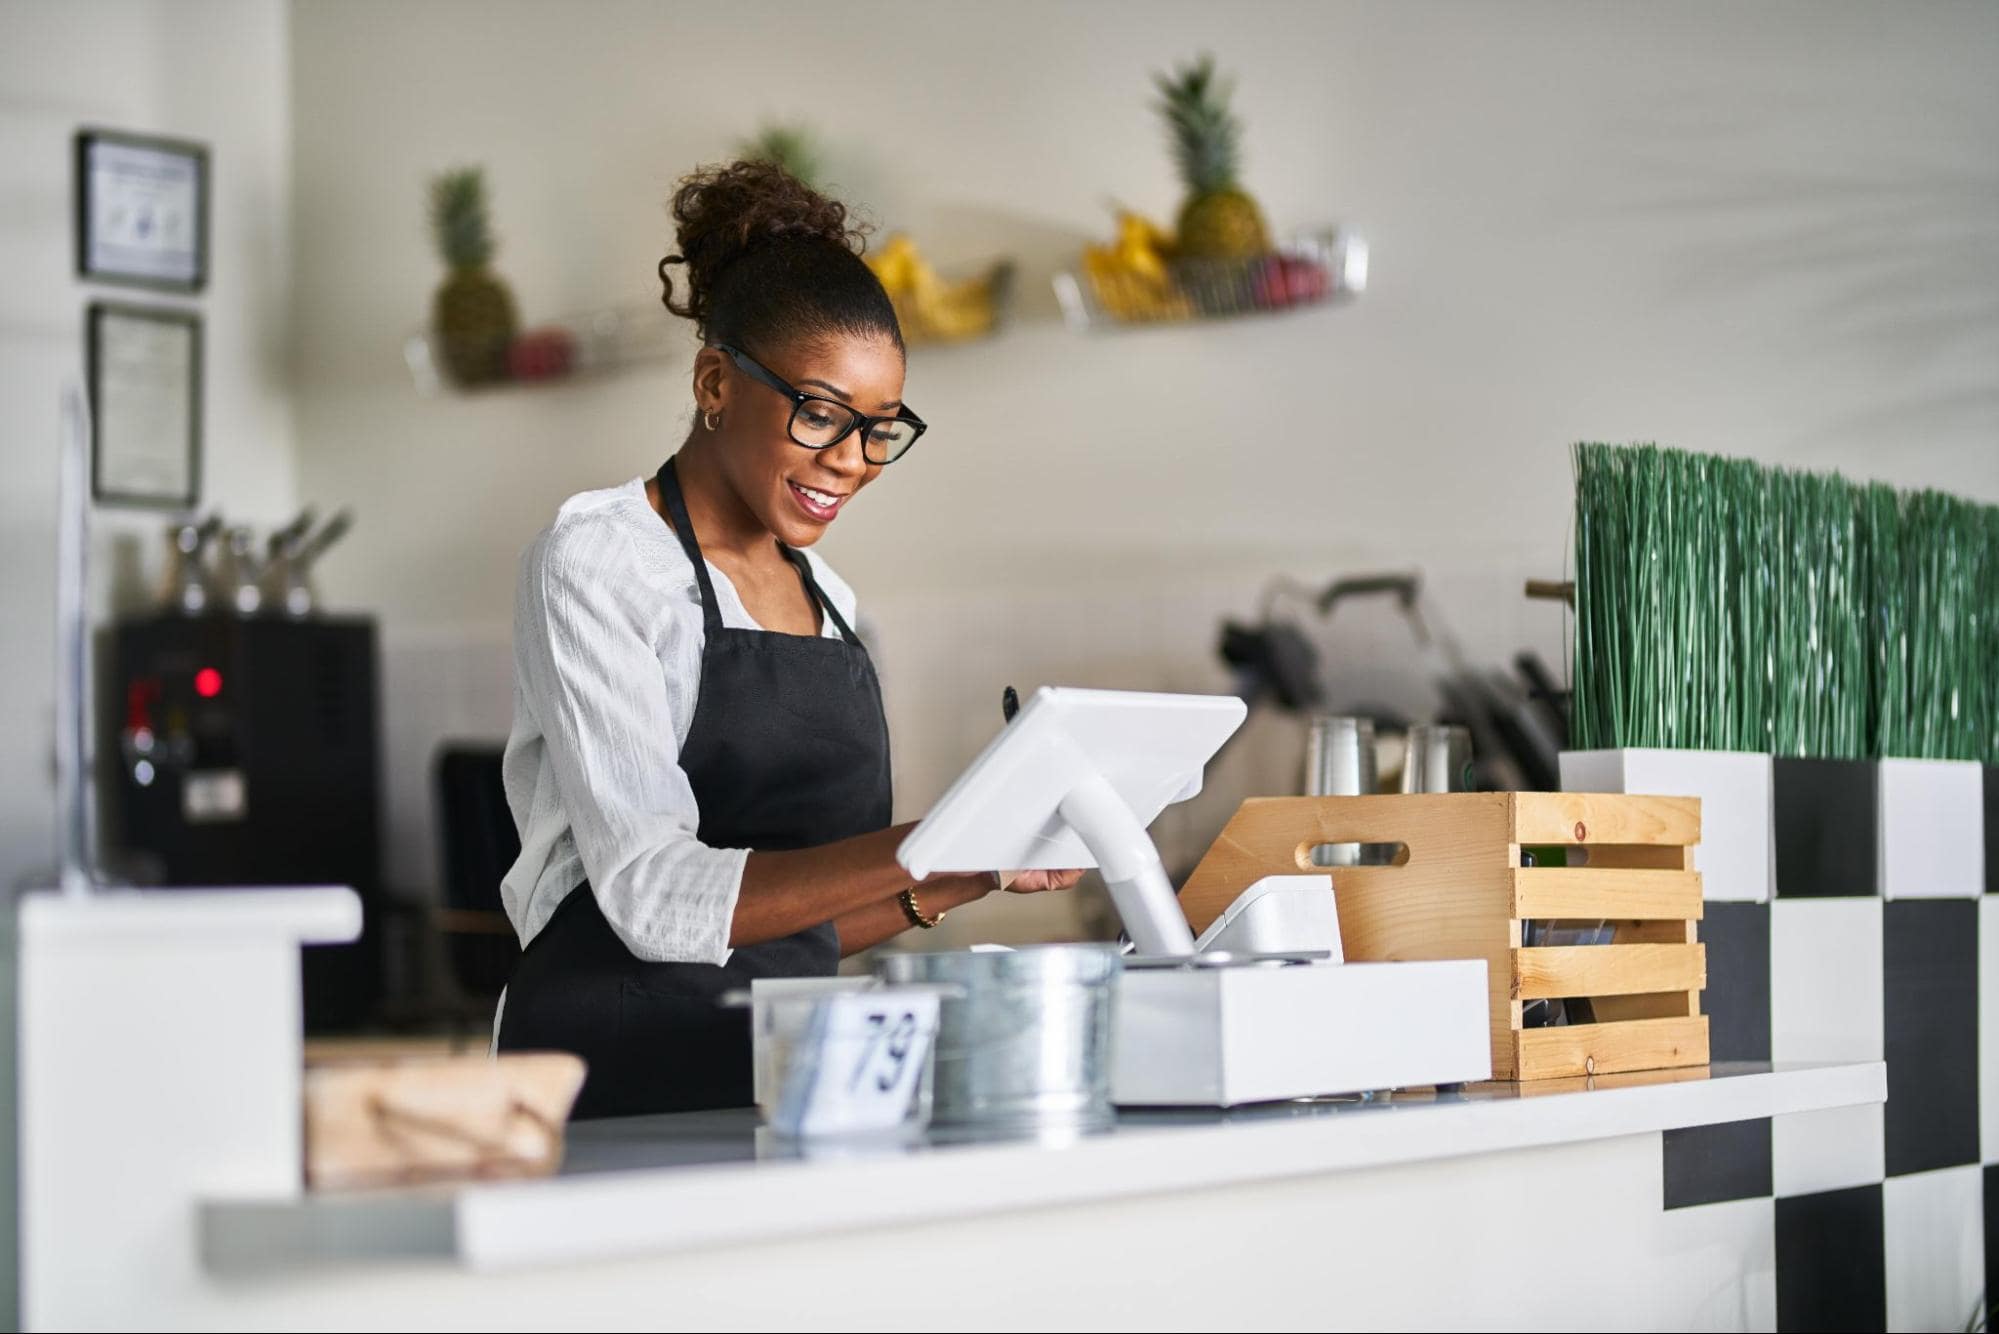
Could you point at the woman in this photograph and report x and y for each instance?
(699, 763)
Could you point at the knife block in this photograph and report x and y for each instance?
(1457, 889)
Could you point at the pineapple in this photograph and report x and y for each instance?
(1218, 220)
(790, 147)
(472, 313)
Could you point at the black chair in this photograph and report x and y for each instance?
(479, 845)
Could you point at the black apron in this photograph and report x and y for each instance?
(788, 748)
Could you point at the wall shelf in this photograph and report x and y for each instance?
(1312, 269)
(561, 351)
(619, 338)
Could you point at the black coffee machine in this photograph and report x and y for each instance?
(246, 751)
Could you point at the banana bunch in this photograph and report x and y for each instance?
(1129, 277)
(928, 306)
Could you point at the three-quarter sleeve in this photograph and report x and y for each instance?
(593, 653)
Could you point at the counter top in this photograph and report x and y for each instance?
(305, 915)
(653, 1184)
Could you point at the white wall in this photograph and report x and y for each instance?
(1767, 230)
(216, 71)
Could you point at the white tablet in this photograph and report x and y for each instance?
(1006, 811)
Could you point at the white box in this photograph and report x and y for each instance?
(1931, 840)
(1220, 1037)
(1735, 856)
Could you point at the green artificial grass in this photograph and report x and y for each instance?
(1721, 605)
(1672, 601)
(1887, 621)
(1942, 711)
(1819, 676)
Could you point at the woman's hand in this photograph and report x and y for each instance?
(1037, 882)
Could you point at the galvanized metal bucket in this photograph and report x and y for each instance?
(1027, 1043)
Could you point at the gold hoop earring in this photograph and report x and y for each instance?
(711, 420)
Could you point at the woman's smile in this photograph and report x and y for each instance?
(819, 506)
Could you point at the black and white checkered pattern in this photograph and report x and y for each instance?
(1884, 1215)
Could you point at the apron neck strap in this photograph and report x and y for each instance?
(668, 483)
(818, 595)
(683, 528)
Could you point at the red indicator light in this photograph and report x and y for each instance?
(208, 683)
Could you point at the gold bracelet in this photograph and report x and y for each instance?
(914, 912)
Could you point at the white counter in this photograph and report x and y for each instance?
(650, 1185)
(160, 1189)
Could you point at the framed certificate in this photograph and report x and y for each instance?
(141, 210)
(145, 405)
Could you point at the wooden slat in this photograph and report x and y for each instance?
(1657, 1005)
(1607, 970)
(1661, 1005)
(1558, 891)
(1635, 857)
(1594, 817)
(1605, 1049)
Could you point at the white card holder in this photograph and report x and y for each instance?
(856, 1067)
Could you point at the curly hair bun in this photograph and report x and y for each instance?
(768, 255)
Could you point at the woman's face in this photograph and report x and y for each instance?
(797, 492)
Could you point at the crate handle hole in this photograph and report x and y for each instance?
(1313, 855)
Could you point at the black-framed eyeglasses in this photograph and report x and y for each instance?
(821, 423)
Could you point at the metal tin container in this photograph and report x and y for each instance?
(1026, 1043)
(1339, 762)
(1439, 759)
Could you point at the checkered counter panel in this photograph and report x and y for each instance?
(1882, 1211)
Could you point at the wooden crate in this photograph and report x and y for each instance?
(1458, 890)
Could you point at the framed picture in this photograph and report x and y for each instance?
(141, 210)
(145, 405)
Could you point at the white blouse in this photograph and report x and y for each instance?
(607, 670)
